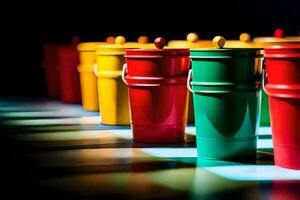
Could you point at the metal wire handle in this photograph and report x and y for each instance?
(264, 75)
(124, 70)
(189, 81)
(95, 69)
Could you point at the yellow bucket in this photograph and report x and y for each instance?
(112, 91)
(88, 80)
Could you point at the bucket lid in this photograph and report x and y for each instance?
(283, 51)
(89, 46)
(139, 45)
(159, 51)
(142, 42)
(192, 41)
(279, 37)
(115, 49)
(244, 41)
(290, 39)
(219, 52)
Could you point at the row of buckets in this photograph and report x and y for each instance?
(157, 88)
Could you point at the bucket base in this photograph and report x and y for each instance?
(91, 109)
(115, 123)
(287, 157)
(158, 134)
(227, 150)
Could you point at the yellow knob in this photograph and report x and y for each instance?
(245, 37)
(143, 39)
(192, 37)
(120, 40)
(219, 41)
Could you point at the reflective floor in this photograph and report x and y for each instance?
(55, 150)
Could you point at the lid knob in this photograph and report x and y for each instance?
(279, 33)
(245, 37)
(143, 39)
(110, 39)
(159, 42)
(120, 40)
(219, 41)
(192, 37)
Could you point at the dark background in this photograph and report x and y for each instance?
(28, 26)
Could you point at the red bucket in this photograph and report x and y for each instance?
(69, 76)
(156, 80)
(50, 65)
(282, 85)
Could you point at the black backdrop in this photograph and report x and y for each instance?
(29, 26)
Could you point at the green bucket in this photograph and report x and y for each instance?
(226, 89)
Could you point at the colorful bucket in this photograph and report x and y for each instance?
(69, 77)
(226, 91)
(158, 95)
(88, 80)
(50, 65)
(112, 92)
(278, 39)
(282, 85)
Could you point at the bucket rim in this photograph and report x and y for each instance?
(156, 53)
(287, 39)
(226, 49)
(89, 46)
(283, 51)
(118, 46)
(168, 49)
(105, 50)
(284, 46)
(283, 91)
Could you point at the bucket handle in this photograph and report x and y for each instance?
(95, 69)
(264, 75)
(124, 72)
(188, 82)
